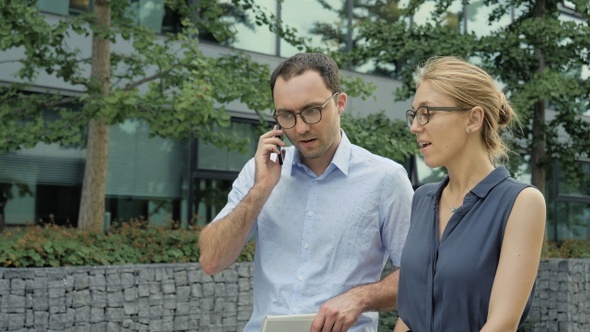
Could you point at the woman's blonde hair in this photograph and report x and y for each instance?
(471, 86)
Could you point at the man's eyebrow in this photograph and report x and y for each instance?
(310, 105)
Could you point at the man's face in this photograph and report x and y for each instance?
(316, 143)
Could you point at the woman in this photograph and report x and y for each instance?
(472, 252)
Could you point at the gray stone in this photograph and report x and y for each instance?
(181, 297)
(82, 298)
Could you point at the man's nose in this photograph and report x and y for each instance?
(300, 125)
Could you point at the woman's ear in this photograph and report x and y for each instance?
(476, 116)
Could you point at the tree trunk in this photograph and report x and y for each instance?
(538, 153)
(92, 204)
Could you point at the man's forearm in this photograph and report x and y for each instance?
(221, 243)
(345, 309)
(381, 295)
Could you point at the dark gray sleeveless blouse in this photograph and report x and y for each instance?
(446, 285)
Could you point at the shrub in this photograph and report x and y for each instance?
(132, 242)
(567, 249)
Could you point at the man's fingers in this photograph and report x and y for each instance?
(328, 325)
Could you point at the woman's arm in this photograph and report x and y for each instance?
(519, 261)
(400, 326)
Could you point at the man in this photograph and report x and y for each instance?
(326, 218)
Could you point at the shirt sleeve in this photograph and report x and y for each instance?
(396, 201)
(240, 189)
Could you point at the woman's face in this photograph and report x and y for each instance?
(444, 136)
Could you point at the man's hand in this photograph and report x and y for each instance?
(343, 311)
(338, 314)
(268, 172)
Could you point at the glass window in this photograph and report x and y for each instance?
(210, 157)
(577, 189)
(58, 204)
(18, 200)
(141, 166)
(158, 212)
(477, 19)
(583, 72)
(170, 21)
(60, 7)
(210, 198)
(523, 169)
(322, 24)
(34, 178)
(80, 5)
(217, 168)
(568, 210)
(251, 37)
(425, 14)
(149, 13)
(573, 222)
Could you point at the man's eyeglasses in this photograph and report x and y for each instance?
(311, 115)
(422, 113)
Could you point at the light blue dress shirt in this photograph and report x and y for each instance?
(319, 236)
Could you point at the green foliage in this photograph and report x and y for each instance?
(387, 321)
(567, 249)
(167, 82)
(355, 86)
(129, 243)
(537, 61)
(381, 135)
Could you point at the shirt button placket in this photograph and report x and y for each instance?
(308, 225)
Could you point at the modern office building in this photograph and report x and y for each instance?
(162, 180)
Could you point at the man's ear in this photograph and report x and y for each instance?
(476, 116)
(341, 101)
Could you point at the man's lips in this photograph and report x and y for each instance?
(307, 141)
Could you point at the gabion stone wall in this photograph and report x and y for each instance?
(562, 298)
(163, 297)
(180, 297)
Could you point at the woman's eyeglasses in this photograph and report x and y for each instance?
(422, 113)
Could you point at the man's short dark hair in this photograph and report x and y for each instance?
(302, 62)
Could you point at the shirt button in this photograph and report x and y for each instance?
(300, 278)
(306, 246)
(294, 310)
(310, 213)
(314, 183)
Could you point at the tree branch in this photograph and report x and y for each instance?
(145, 80)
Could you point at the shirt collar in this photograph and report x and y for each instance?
(341, 159)
(482, 188)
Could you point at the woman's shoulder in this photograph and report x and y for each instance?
(530, 196)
